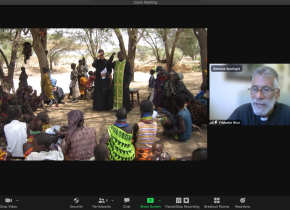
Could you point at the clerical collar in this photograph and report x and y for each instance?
(264, 118)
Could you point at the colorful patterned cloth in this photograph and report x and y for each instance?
(145, 138)
(146, 118)
(121, 123)
(168, 87)
(45, 126)
(31, 135)
(120, 145)
(80, 145)
(47, 90)
(198, 112)
(143, 154)
(118, 84)
(3, 155)
(28, 152)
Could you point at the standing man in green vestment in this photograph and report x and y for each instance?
(121, 82)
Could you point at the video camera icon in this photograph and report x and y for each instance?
(8, 200)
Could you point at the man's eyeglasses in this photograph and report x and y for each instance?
(264, 90)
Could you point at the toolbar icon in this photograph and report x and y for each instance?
(150, 200)
(178, 200)
(243, 200)
(101, 200)
(8, 200)
(76, 200)
(211, 123)
(185, 200)
(126, 200)
(217, 200)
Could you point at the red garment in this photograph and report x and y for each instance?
(4, 101)
(162, 78)
(80, 145)
(90, 81)
(5, 115)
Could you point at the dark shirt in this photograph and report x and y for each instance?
(279, 116)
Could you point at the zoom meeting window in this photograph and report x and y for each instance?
(250, 94)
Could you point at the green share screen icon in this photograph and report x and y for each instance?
(150, 200)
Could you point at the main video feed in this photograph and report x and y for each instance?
(250, 94)
(103, 94)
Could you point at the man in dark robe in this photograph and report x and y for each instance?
(121, 82)
(103, 99)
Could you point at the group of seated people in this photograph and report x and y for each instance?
(167, 86)
(32, 138)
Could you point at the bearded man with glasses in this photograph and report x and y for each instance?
(264, 108)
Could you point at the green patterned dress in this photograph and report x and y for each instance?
(120, 145)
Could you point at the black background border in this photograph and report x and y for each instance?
(248, 160)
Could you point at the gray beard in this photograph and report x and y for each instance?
(263, 111)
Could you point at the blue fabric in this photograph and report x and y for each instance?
(185, 114)
(53, 82)
(200, 94)
(146, 114)
(121, 125)
(51, 131)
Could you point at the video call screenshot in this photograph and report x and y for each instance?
(167, 105)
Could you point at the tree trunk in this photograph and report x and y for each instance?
(169, 58)
(92, 43)
(39, 49)
(201, 35)
(50, 62)
(121, 42)
(1, 73)
(166, 49)
(132, 49)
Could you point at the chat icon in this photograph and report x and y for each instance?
(126, 200)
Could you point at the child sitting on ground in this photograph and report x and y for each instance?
(44, 149)
(5, 98)
(36, 127)
(158, 154)
(45, 120)
(101, 153)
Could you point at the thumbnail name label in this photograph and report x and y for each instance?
(226, 68)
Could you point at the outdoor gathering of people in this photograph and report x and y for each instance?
(27, 136)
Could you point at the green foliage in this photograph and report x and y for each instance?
(188, 43)
(142, 52)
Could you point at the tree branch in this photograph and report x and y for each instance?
(6, 61)
(138, 39)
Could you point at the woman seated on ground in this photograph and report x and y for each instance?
(198, 112)
(46, 90)
(79, 141)
(44, 149)
(35, 128)
(183, 121)
(144, 132)
(119, 138)
(159, 94)
(101, 153)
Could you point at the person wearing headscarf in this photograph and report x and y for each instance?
(159, 94)
(79, 141)
(181, 89)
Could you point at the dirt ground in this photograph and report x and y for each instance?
(100, 120)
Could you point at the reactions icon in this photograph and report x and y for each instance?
(243, 200)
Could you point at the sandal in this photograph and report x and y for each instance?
(55, 107)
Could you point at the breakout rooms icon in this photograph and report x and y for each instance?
(217, 200)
